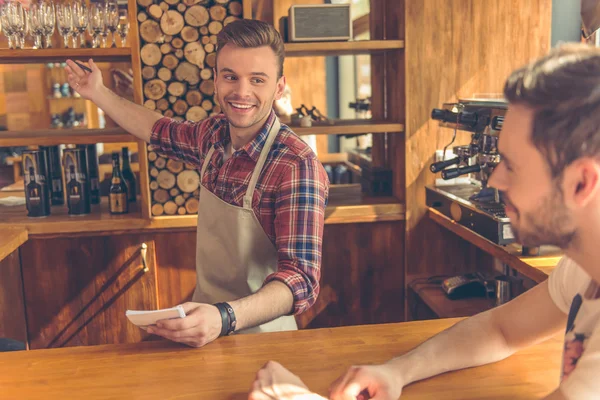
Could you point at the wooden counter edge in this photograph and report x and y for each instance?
(11, 239)
(538, 274)
(335, 214)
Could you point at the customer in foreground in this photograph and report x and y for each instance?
(550, 179)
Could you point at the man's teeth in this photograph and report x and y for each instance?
(236, 105)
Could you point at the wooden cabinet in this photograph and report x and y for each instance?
(12, 308)
(78, 289)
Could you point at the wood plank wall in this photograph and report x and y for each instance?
(456, 49)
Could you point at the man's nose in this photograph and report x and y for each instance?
(243, 87)
(497, 179)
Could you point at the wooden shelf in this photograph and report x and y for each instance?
(435, 298)
(50, 137)
(352, 209)
(341, 48)
(534, 267)
(349, 127)
(32, 56)
(60, 222)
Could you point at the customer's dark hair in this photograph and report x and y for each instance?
(563, 89)
(250, 33)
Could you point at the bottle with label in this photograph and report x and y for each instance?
(54, 175)
(117, 194)
(77, 198)
(37, 198)
(129, 175)
(93, 171)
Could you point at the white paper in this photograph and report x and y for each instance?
(12, 201)
(143, 318)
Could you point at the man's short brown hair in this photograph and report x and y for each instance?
(563, 89)
(250, 33)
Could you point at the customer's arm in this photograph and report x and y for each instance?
(134, 118)
(485, 338)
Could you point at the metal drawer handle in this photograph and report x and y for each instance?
(143, 252)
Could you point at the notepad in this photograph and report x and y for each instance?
(143, 318)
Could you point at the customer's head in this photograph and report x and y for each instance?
(249, 71)
(550, 146)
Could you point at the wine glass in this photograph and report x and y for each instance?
(123, 27)
(7, 28)
(97, 22)
(64, 20)
(36, 24)
(112, 20)
(16, 20)
(80, 22)
(48, 20)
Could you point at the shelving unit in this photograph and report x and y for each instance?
(350, 127)
(51, 137)
(39, 56)
(341, 48)
(536, 268)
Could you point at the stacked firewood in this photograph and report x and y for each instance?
(178, 40)
(175, 186)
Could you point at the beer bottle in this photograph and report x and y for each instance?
(128, 175)
(117, 194)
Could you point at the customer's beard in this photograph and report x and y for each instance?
(550, 224)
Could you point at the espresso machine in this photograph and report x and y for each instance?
(472, 203)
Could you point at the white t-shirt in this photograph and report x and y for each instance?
(574, 292)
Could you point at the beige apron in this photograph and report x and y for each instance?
(234, 255)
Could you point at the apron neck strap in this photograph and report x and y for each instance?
(206, 162)
(259, 165)
(261, 162)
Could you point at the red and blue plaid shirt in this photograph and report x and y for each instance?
(290, 196)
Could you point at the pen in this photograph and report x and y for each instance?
(83, 67)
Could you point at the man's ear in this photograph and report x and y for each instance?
(581, 182)
(280, 87)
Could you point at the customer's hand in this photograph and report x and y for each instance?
(273, 381)
(201, 325)
(87, 84)
(377, 382)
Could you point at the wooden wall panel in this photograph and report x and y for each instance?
(456, 49)
(362, 263)
(176, 261)
(78, 289)
(12, 305)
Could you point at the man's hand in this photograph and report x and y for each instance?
(273, 381)
(201, 325)
(377, 382)
(87, 84)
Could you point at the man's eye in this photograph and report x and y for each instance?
(230, 77)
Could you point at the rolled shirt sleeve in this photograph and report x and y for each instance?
(299, 223)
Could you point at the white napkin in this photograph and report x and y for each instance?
(12, 201)
(144, 318)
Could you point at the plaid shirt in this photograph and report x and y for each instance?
(290, 196)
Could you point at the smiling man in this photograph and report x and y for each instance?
(550, 178)
(263, 191)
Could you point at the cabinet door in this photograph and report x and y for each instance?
(12, 306)
(78, 289)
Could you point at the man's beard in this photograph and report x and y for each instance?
(550, 224)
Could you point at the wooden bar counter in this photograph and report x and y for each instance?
(226, 368)
(10, 240)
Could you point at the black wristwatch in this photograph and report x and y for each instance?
(228, 321)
